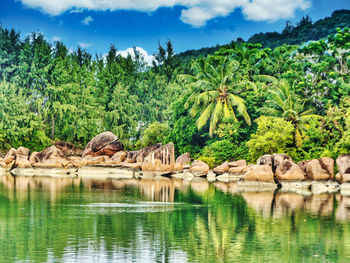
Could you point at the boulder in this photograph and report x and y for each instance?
(238, 170)
(78, 162)
(51, 158)
(105, 143)
(184, 159)
(278, 159)
(160, 161)
(10, 156)
(266, 159)
(178, 167)
(318, 169)
(144, 152)
(260, 173)
(119, 157)
(238, 163)
(273, 160)
(131, 157)
(223, 168)
(68, 149)
(289, 171)
(199, 168)
(22, 158)
(343, 164)
(32, 157)
(97, 160)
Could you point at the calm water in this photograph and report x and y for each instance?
(85, 220)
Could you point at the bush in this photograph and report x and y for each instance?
(218, 152)
(155, 132)
(273, 135)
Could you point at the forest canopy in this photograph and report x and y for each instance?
(241, 100)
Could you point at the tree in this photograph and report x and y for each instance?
(213, 87)
(285, 104)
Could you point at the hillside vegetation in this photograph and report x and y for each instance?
(241, 101)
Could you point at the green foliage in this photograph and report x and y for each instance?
(218, 152)
(272, 136)
(155, 132)
(208, 98)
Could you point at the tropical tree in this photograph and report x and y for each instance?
(213, 91)
(284, 103)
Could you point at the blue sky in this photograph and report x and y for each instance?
(189, 24)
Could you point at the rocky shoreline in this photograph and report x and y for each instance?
(104, 157)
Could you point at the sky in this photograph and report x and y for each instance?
(189, 24)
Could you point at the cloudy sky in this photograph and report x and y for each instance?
(190, 24)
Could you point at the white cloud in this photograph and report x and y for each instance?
(130, 51)
(195, 12)
(87, 20)
(84, 45)
(56, 38)
(271, 10)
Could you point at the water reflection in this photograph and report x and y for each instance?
(164, 220)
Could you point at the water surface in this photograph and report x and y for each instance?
(45, 219)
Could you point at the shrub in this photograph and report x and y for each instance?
(219, 152)
(274, 135)
(154, 133)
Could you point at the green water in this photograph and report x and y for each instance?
(85, 220)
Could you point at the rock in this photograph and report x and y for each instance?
(105, 143)
(238, 163)
(288, 170)
(238, 170)
(273, 160)
(68, 149)
(10, 156)
(143, 153)
(51, 158)
(78, 162)
(199, 168)
(32, 158)
(278, 159)
(260, 173)
(266, 159)
(133, 166)
(97, 160)
(160, 161)
(211, 177)
(131, 157)
(318, 169)
(178, 167)
(119, 157)
(22, 158)
(223, 168)
(184, 159)
(343, 163)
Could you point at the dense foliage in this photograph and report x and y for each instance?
(238, 102)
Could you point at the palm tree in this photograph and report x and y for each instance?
(283, 103)
(212, 89)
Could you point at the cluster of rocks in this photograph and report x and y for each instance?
(107, 152)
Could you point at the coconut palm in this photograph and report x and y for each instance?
(212, 92)
(283, 103)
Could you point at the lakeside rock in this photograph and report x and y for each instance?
(318, 169)
(22, 155)
(287, 170)
(184, 159)
(160, 160)
(51, 158)
(343, 164)
(223, 168)
(259, 173)
(105, 143)
(199, 168)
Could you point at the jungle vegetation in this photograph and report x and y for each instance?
(239, 101)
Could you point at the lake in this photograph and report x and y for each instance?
(44, 219)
